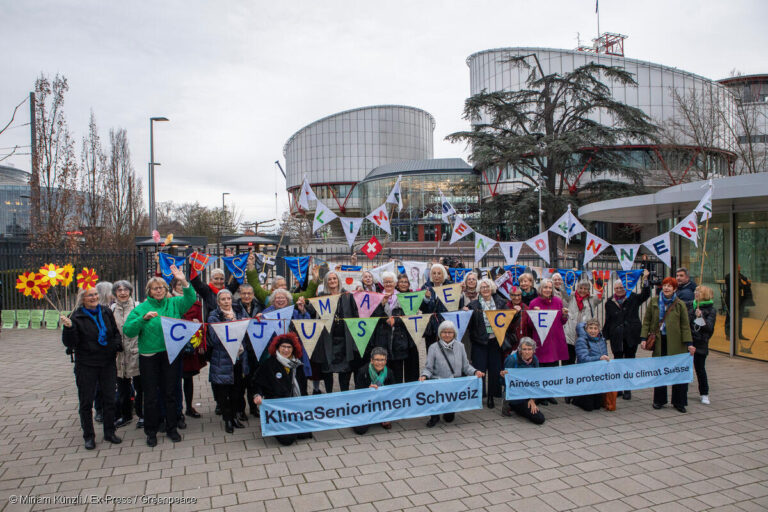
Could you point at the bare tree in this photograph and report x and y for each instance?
(751, 145)
(298, 228)
(7, 125)
(122, 191)
(93, 181)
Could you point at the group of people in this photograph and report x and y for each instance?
(121, 360)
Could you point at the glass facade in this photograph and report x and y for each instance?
(14, 210)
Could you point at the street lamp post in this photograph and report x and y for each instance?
(223, 215)
(152, 164)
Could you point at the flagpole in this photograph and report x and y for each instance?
(704, 252)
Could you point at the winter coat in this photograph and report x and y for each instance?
(363, 378)
(273, 381)
(208, 292)
(150, 332)
(262, 295)
(513, 361)
(520, 327)
(576, 317)
(478, 334)
(222, 370)
(702, 334)
(192, 363)
(83, 337)
(622, 321)
(685, 293)
(677, 326)
(528, 298)
(395, 339)
(554, 347)
(336, 351)
(589, 349)
(437, 366)
(128, 359)
(435, 305)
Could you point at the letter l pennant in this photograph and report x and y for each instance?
(231, 335)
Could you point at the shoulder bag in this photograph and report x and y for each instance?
(650, 341)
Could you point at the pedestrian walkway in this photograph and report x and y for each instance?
(712, 458)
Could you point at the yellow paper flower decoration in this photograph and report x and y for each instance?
(30, 284)
(51, 274)
(68, 274)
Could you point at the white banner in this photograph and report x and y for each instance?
(626, 254)
(543, 320)
(567, 226)
(460, 230)
(323, 216)
(705, 205)
(688, 228)
(446, 209)
(540, 244)
(511, 251)
(594, 246)
(483, 244)
(306, 194)
(395, 196)
(380, 217)
(661, 248)
(231, 335)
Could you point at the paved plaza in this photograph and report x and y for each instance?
(712, 458)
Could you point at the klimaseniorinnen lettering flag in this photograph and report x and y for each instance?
(626, 254)
(323, 216)
(164, 262)
(177, 333)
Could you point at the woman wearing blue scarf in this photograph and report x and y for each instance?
(93, 335)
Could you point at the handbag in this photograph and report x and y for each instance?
(650, 341)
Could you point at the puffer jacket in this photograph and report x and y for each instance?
(222, 371)
(589, 349)
(576, 317)
(128, 359)
(702, 334)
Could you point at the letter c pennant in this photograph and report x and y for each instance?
(177, 333)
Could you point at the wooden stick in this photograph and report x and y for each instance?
(704, 252)
(52, 304)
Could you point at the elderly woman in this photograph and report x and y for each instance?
(252, 307)
(156, 371)
(486, 349)
(403, 283)
(227, 379)
(622, 321)
(590, 347)
(469, 287)
(193, 358)
(447, 359)
(524, 357)
(95, 339)
(128, 380)
(278, 376)
(373, 375)
(207, 292)
(559, 284)
(412, 361)
(368, 283)
(553, 348)
(582, 306)
(527, 288)
(667, 317)
(438, 276)
(702, 317)
(278, 282)
(521, 325)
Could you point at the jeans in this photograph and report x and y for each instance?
(157, 373)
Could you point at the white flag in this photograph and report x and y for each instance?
(284, 315)
(626, 254)
(446, 209)
(705, 205)
(309, 331)
(395, 197)
(567, 226)
(661, 248)
(415, 270)
(460, 230)
(511, 251)
(595, 245)
(483, 244)
(306, 194)
(540, 244)
(323, 216)
(231, 335)
(689, 228)
(351, 226)
(387, 267)
(380, 217)
(543, 320)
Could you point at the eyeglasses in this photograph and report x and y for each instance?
(379, 359)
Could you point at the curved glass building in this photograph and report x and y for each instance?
(14, 201)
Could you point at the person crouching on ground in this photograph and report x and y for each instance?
(447, 359)
(373, 375)
(523, 357)
(279, 376)
(590, 346)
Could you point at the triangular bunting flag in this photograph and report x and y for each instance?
(260, 332)
(306, 194)
(361, 330)
(325, 307)
(660, 247)
(416, 325)
(380, 217)
(299, 267)
(540, 244)
(599, 279)
(446, 209)
(231, 335)
(594, 246)
(542, 319)
(323, 216)
(629, 278)
(351, 226)
(309, 331)
(415, 271)
(165, 261)
(705, 205)
(500, 320)
(200, 261)
(570, 278)
(236, 265)
(177, 333)
(457, 274)
(688, 228)
(449, 295)
(460, 319)
(483, 244)
(411, 302)
(395, 196)
(367, 302)
(626, 254)
(387, 267)
(511, 251)
(284, 314)
(567, 226)
(460, 230)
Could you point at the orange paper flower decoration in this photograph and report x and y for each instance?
(68, 273)
(52, 274)
(30, 284)
(41, 289)
(87, 279)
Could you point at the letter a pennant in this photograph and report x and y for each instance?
(380, 217)
(323, 216)
(325, 307)
(309, 331)
(416, 325)
(367, 302)
(231, 335)
(594, 246)
(626, 254)
(688, 228)
(500, 320)
(351, 226)
(540, 244)
(660, 247)
(361, 330)
(177, 333)
(460, 230)
(542, 319)
(483, 244)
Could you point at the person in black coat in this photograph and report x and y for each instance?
(373, 375)
(438, 276)
(486, 352)
(622, 321)
(278, 376)
(703, 317)
(92, 334)
(252, 307)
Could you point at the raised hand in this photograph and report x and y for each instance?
(250, 264)
(178, 274)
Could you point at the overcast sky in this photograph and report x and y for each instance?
(238, 78)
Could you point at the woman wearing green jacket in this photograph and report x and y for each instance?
(252, 276)
(674, 337)
(144, 322)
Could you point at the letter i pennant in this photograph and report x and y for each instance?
(361, 330)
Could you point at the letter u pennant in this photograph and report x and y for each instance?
(177, 333)
(361, 330)
(309, 332)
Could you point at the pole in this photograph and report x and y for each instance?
(35, 178)
(541, 220)
(703, 252)
(152, 212)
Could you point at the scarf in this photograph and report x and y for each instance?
(213, 289)
(391, 304)
(290, 366)
(579, 300)
(95, 315)
(472, 294)
(664, 303)
(696, 303)
(620, 299)
(487, 306)
(377, 378)
(447, 346)
(528, 293)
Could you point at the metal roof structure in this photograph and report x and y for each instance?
(434, 165)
